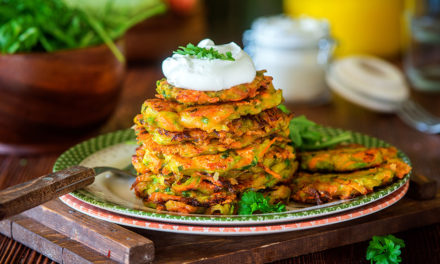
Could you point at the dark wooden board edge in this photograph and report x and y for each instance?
(50, 243)
(180, 248)
(121, 244)
(402, 216)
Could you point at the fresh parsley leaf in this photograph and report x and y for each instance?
(305, 135)
(284, 109)
(256, 202)
(385, 250)
(200, 53)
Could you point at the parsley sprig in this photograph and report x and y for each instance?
(385, 250)
(200, 53)
(305, 135)
(256, 202)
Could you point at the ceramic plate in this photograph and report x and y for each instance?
(113, 193)
(127, 220)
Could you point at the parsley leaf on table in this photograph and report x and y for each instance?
(305, 135)
(256, 202)
(385, 250)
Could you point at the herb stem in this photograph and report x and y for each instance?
(105, 38)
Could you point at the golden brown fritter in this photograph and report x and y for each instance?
(241, 159)
(235, 93)
(176, 117)
(320, 188)
(189, 149)
(345, 158)
(269, 122)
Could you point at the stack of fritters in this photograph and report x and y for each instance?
(200, 150)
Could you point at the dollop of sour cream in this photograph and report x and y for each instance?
(188, 72)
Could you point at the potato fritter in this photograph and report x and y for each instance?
(320, 188)
(344, 159)
(248, 128)
(176, 117)
(241, 159)
(189, 149)
(235, 93)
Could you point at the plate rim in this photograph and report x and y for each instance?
(79, 152)
(341, 217)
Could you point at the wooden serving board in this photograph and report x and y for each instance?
(67, 236)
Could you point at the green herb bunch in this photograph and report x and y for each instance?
(385, 250)
(51, 25)
(200, 53)
(256, 202)
(306, 135)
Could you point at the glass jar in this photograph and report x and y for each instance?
(422, 60)
(295, 52)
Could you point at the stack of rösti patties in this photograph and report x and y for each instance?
(200, 150)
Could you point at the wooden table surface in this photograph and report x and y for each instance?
(423, 244)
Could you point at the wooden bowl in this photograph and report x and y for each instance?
(50, 98)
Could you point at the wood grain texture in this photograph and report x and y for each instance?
(124, 246)
(406, 214)
(52, 244)
(24, 196)
(47, 97)
(422, 187)
(77, 253)
(38, 237)
(423, 244)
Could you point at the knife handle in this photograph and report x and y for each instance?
(24, 196)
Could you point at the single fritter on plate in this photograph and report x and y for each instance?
(343, 159)
(345, 173)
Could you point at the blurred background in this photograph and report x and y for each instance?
(76, 53)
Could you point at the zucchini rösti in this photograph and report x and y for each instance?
(213, 132)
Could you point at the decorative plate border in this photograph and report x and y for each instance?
(233, 230)
(76, 154)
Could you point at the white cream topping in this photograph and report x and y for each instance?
(185, 71)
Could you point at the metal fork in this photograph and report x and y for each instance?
(127, 172)
(416, 116)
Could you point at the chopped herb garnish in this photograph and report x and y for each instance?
(168, 189)
(200, 53)
(185, 194)
(205, 120)
(225, 154)
(256, 202)
(180, 168)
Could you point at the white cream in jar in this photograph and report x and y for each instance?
(295, 52)
(203, 74)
